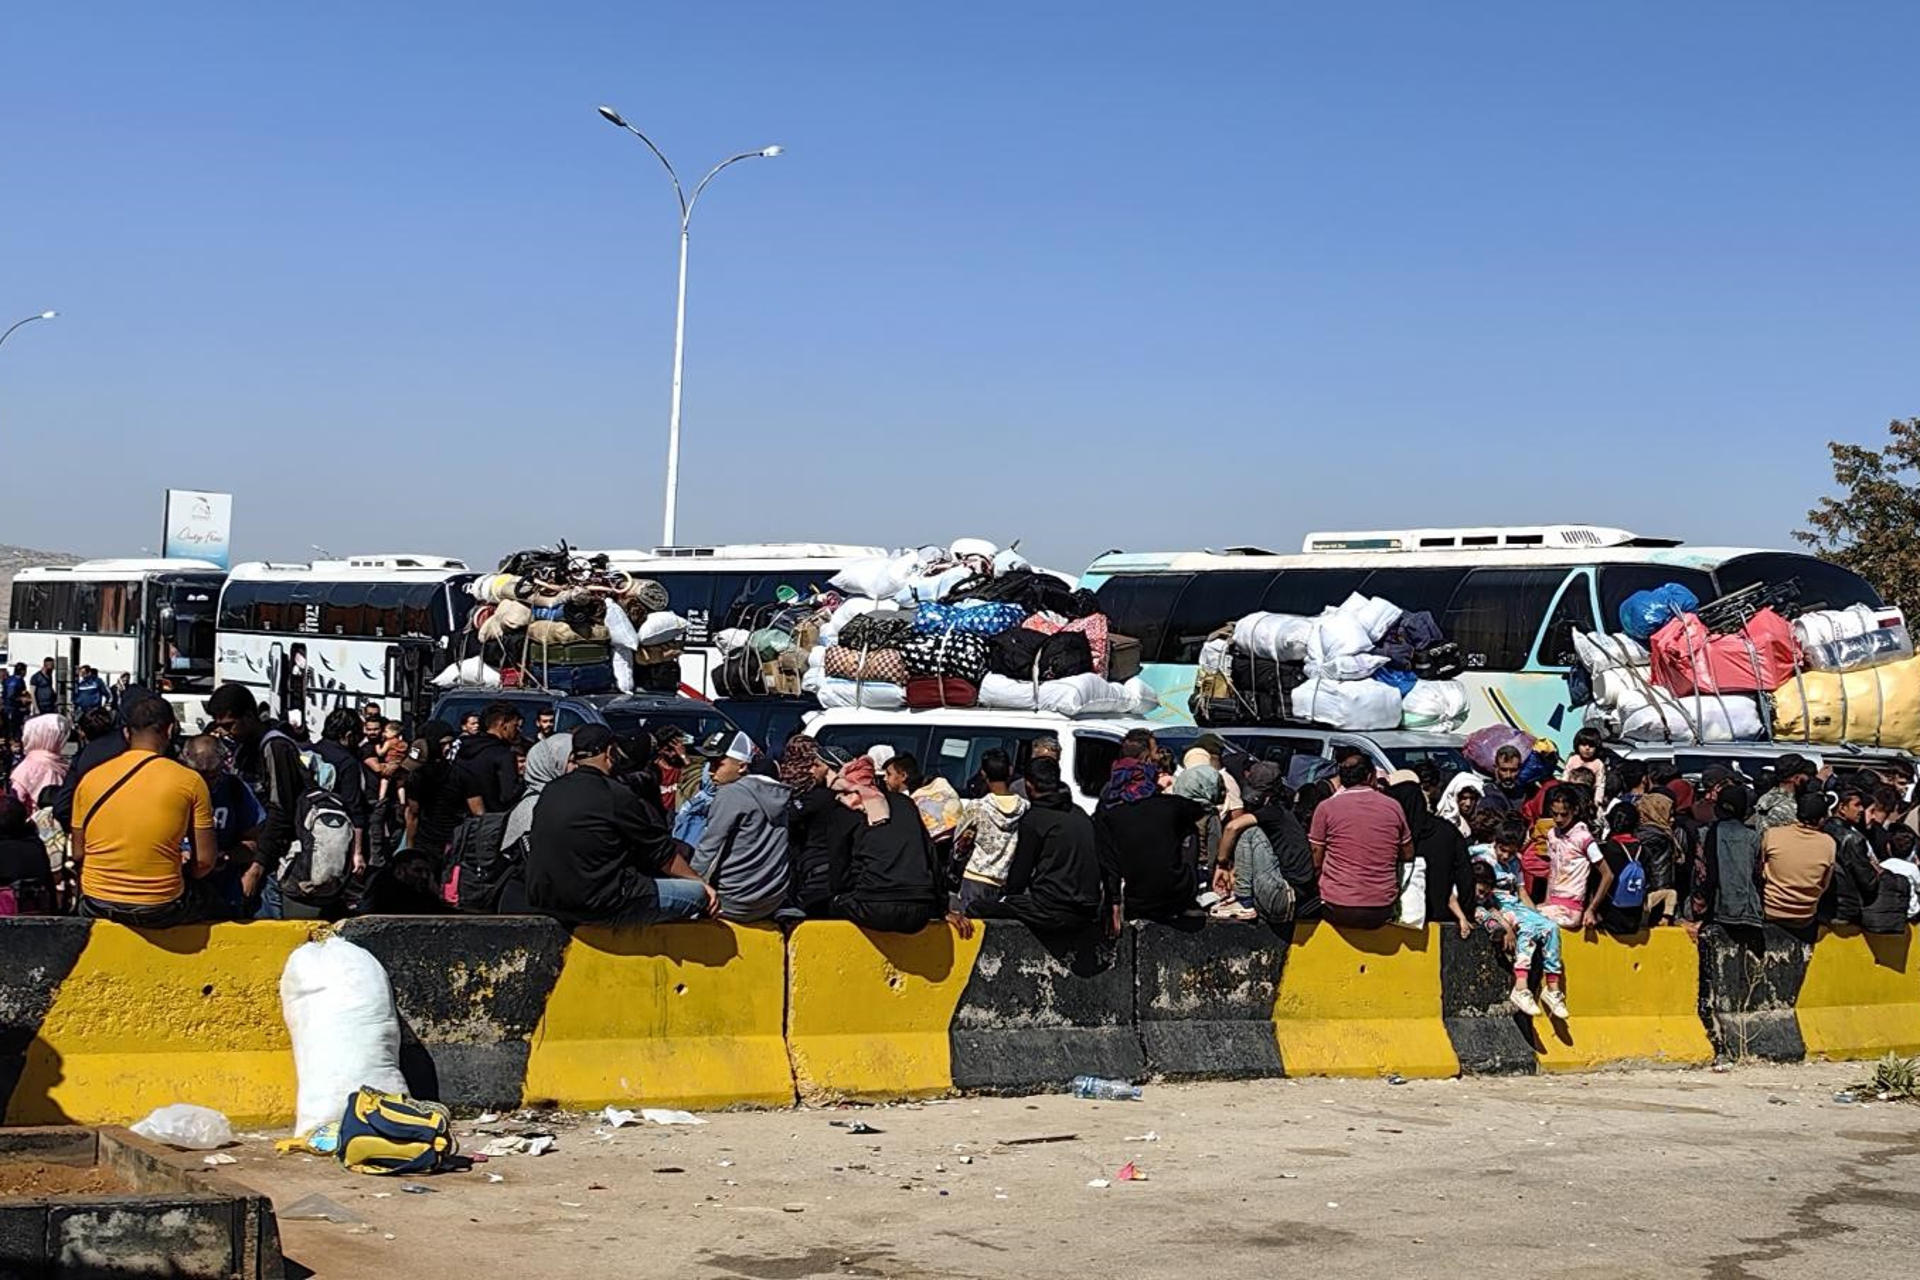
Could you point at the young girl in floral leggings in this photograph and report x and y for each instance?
(1502, 907)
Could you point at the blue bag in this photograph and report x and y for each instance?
(1645, 612)
(1403, 681)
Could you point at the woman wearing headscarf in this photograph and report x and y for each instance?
(891, 882)
(1146, 835)
(819, 828)
(1659, 855)
(1440, 846)
(545, 762)
(44, 765)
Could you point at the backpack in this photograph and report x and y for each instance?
(386, 1133)
(1630, 889)
(480, 863)
(320, 859)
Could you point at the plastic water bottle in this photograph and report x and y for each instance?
(1105, 1090)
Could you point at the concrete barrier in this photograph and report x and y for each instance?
(680, 1015)
(1633, 1000)
(1490, 1037)
(1204, 998)
(1861, 998)
(1036, 1012)
(869, 1015)
(1750, 980)
(1362, 1002)
(470, 991)
(143, 1018)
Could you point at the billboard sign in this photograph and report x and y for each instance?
(198, 525)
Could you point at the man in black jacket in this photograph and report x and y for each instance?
(338, 746)
(1854, 871)
(488, 770)
(269, 762)
(1053, 883)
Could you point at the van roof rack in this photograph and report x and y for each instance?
(1539, 537)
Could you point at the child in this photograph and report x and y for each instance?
(1524, 934)
(1572, 854)
(1586, 755)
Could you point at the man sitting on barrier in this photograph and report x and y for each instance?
(743, 852)
(1054, 882)
(1142, 825)
(596, 855)
(891, 882)
(1359, 838)
(1796, 865)
(1264, 859)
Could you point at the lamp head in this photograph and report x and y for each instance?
(48, 315)
(772, 151)
(611, 116)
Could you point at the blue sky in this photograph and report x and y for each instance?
(1091, 275)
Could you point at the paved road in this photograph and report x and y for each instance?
(1754, 1173)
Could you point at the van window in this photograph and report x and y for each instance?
(956, 751)
(1093, 757)
(1572, 612)
(1141, 605)
(1496, 613)
(1208, 601)
(1310, 591)
(1618, 581)
(1822, 585)
(857, 739)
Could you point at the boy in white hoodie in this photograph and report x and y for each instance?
(991, 824)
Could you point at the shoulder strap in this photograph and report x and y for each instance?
(119, 782)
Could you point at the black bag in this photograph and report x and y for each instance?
(656, 677)
(876, 631)
(1026, 655)
(481, 862)
(932, 655)
(1033, 591)
(740, 676)
(1439, 662)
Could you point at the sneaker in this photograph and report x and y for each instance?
(1231, 910)
(1522, 999)
(1555, 1002)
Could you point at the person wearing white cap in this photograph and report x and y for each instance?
(743, 852)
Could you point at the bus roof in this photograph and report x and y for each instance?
(666, 557)
(390, 566)
(1644, 551)
(115, 570)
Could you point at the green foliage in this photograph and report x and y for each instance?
(1895, 1079)
(1873, 526)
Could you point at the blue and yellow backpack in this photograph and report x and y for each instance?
(386, 1133)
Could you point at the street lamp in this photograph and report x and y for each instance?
(680, 306)
(44, 315)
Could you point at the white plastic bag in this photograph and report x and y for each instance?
(1348, 704)
(1412, 910)
(730, 641)
(188, 1127)
(1434, 704)
(1824, 626)
(620, 632)
(1372, 614)
(1141, 697)
(1339, 636)
(878, 577)
(874, 695)
(1279, 636)
(660, 628)
(339, 1012)
(471, 671)
(1083, 695)
(1600, 653)
(1663, 718)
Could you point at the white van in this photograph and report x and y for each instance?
(950, 741)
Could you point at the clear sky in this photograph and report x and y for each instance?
(1092, 275)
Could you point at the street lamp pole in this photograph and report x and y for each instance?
(44, 315)
(680, 301)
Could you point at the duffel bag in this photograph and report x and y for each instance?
(1094, 627)
(949, 692)
(878, 630)
(1022, 654)
(980, 619)
(740, 676)
(843, 663)
(933, 655)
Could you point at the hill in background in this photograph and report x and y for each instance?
(13, 560)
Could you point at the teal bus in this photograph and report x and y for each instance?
(1511, 598)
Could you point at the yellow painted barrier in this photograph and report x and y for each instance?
(1633, 1000)
(1362, 1002)
(1861, 998)
(151, 1017)
(682, 1015)
(869, 1014)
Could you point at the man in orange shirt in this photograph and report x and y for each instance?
(132, 816)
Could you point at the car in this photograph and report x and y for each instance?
(1751, 758)
(771, 720)
(1389, 749)
(949, 741)
(624, 713)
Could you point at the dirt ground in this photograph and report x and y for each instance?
(33, 1178)
(1758, 1172)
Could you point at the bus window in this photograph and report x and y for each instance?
(114, 619)
(1618, 581)
(1822, 585)
(1210, 599)
(1572, 612)
(345, 613)
(84, 606)
(1421, 590)
(386, 609)
(1141, 605)
(236, 606)
(1309, 591)
(416, 609)
(1496, 613)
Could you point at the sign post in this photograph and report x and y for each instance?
(198, 525)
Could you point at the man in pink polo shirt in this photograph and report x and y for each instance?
(1359, 839)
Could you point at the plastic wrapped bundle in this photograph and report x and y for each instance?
(1874, 706)
(1439, 705)
(870, 695)
(1348, 704)
(1873, 648)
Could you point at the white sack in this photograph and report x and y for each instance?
(1004, 693)
(1348, 704)
(1824, 626)
(662, 628)
(1083, 695)
(1600, 653)
(873, 695)
(1434, 704)
(1727, 718)
(471, 671)
(1141, 697)
(877, 577)
(1279, 636)
(1217, 655)
(1337, 636)
(731, 641)
(346, 1035)
(1373, 615)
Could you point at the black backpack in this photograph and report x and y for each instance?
(481, 862)
(319, 861)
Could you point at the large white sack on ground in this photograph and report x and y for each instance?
(1374, 615)
(874, 695)
(1348, 704)
(1728, 718)
(1600, 653)
(1280, 636)
(1083, 695)
(1434, 704)
(346, 1035)
(470, 671)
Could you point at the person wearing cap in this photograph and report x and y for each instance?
(1779, 806)
(743, 853)
(597, 855)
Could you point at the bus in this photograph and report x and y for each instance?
(342, 633)
(713, 588)
(149, 620)
(1511, 598)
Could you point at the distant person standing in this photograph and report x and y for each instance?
(45, 696)
(14, 701)
(118, 693)
(89, 690)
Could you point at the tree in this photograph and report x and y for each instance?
(1873, 527)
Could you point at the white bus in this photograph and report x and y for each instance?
(150, 620)
(1510, 597)
(711, 587)
(342, 633)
